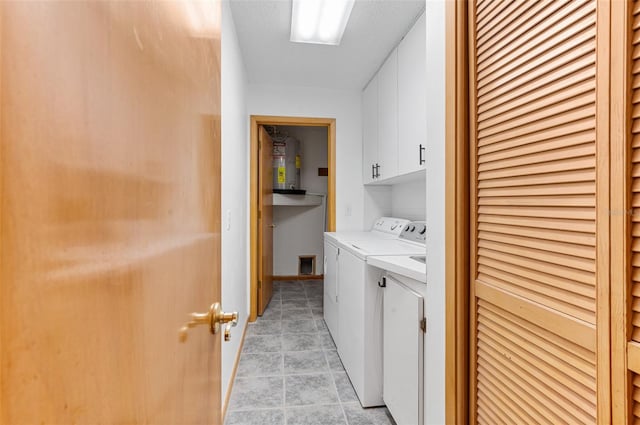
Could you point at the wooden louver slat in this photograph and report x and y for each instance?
(547, 21)
(573, 36)
(535, 141)
(565, 63)
(521, 101)
(580, 276)
(536, 149)
(553, 282)
(510, 16)
(534, 370)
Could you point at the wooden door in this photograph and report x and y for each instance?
(265, 219)
(539, 324)
(110, 212)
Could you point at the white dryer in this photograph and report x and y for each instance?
(359, 307)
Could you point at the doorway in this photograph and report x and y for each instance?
(261, 206)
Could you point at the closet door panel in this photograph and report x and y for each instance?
(534, 247)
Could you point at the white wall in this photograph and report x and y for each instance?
(344, 106)
(377, 203)
(299, 230)
(402, 200)
(408, 200)
(235, 189)
(435, 194)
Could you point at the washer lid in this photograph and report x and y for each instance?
(384, 228)
(385, 247)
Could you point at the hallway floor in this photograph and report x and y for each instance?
(290, 372)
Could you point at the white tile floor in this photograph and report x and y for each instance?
(290, 372)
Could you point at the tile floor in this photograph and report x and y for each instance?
(290, 372)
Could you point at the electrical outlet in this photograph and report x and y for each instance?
(347, 211)
(228, 219)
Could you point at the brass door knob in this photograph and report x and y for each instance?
(213, 318)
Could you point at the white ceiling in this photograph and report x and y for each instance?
(375, 27)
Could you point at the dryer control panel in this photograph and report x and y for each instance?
(415, 231)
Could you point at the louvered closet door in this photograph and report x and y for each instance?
(533, 294)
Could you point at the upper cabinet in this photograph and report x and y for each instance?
(388, 117)
(394, 112)
(412, 99)
(370, 131)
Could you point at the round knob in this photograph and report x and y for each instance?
(424, 229)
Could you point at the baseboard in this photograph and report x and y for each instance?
(233, 373)
(300, 277)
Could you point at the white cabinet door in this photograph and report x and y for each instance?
(330, 306)
(388, 117)
(412, 99)
(403, 353)
(369, 130)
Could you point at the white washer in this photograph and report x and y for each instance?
(384, 228)
(359, 307)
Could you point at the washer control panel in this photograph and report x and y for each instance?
(415, 231)
(390, 225)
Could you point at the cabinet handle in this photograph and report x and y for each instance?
(422, 149)
(377, 170)
(383, 284)
(373, 171)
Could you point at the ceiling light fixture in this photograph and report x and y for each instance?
(319, 21)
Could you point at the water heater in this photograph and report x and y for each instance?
(286, 165)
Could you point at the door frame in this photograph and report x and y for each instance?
(255, 249)
(623, 354)
(457, 213)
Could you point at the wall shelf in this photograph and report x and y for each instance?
(296, 200)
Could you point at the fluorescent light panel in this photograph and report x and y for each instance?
(319, 21)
